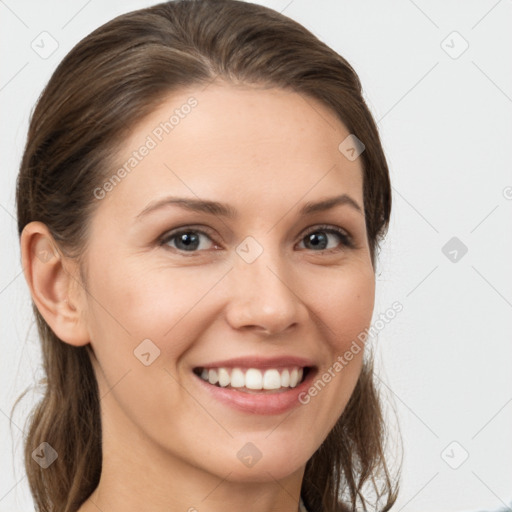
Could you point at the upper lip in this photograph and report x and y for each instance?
(260, 362)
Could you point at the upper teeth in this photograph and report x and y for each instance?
(252, 378)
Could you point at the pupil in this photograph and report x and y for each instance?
(317, 240)
(188, 240)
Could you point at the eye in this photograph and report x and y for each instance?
(318, 238)
(188, 239)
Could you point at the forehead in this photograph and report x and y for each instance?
(258, 146)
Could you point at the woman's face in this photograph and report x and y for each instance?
(243, 279)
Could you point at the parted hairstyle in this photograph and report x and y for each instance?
(110, 81)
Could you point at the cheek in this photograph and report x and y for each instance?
(137, 301)
(130, 306)
(345, 310)
(344, 302)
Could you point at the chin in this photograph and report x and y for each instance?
(271, 470)
(263, 461)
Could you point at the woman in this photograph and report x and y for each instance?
(200, 203)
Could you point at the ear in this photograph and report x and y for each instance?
(54, 284)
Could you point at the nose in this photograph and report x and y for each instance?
(262, 296)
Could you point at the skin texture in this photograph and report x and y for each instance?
(167, 445)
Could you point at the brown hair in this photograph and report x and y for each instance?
(104, 86)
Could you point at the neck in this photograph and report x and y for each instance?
(188, 491)
(139, 475)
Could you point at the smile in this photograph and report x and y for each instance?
(253, 384)
(252, 380)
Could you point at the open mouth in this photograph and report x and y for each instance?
(254, 380)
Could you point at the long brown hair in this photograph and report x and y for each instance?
(104, 86)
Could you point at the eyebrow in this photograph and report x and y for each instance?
(225, 210)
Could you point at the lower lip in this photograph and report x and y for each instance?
(254, 403)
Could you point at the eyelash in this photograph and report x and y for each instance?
(346, 239)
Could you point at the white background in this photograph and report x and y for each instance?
(446, 126)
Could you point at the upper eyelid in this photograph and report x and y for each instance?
(183, 229)
(326, 227)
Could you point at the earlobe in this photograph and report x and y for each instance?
(54, 284)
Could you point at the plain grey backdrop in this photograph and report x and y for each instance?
(438, 79)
